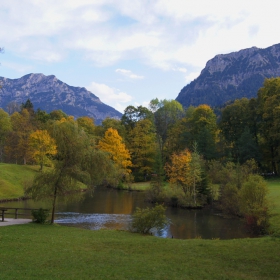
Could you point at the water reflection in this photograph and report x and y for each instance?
(107, 208)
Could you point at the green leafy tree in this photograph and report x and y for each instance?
(239, 118)
(254, 204)
(142, 146)
(5, 128)
(71, 149)
(166, 115)
(18, 141)
(269, 128)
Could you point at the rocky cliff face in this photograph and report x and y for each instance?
(48, 93)
(231, 76)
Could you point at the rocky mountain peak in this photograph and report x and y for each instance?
(49, 93)
(230, 76)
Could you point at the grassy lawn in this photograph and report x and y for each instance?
(13, 177)
(55, 252)
(274, 198)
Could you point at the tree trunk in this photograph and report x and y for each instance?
(54, 202)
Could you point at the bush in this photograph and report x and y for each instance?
(254, 204)
(40, 216)
(143, 220)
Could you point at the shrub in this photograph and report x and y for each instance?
(254, 204)
(143, 220)
(40, 216)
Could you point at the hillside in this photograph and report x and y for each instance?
(49, 93)
(232, 76)
(13, 178)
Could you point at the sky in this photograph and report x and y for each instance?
(128, 52)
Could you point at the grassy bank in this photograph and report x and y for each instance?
(56, 252)
(274, 198)
(13, 178)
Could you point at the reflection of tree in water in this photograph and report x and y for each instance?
(205, 224)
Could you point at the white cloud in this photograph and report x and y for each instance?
(191, 76)
(129, 74)
(161, 33)
(110, 96)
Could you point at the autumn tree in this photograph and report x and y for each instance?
(110, 123)
(112, 144)
(178, 170)
(42, 146)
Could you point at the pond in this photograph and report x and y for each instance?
(112, 209)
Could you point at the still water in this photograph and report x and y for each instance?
(112, 209)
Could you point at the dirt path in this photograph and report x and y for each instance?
(10, 222)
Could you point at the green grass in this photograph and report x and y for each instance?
(55, 252)
(13, 177)
(274, 198)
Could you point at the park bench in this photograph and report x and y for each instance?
(16, 213)
(2, 211)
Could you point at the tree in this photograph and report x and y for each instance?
(113, 144)
(42, 146)
(87, 124)
(28, 106)
(254, 204)
(179, 169)
(134, 114)
(202, 129)
(5, 128)
(269, 128)
(166, 114)
(142, 146)
(236, 119)
(18, 140)
(12, 107)
(67, 171)
(195, 172)
(110, 123)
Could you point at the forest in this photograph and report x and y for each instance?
(192, 156)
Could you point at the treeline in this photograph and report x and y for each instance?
(203, 157)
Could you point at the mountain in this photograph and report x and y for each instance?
(48, 93)
(232, 76)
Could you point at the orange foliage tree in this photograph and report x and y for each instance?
(179, 169)
(112, 143)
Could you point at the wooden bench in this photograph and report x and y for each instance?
(4, 209)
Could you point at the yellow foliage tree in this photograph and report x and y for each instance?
(42, 145)
(179, 169)
(113, 144)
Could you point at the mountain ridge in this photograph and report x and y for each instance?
(49, 93)
(232, 76)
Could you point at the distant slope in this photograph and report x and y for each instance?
(13, 178)
(48, 93)
(232, 76)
